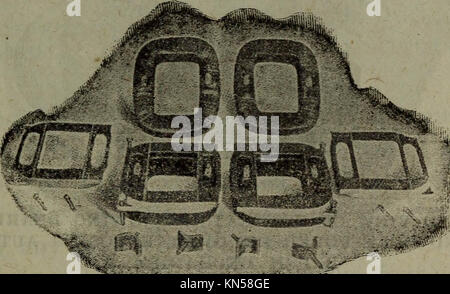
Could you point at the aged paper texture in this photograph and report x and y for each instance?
(252, 136)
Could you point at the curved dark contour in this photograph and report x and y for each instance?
(171, 219)
(279, 223)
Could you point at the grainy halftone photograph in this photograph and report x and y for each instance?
(224, 137)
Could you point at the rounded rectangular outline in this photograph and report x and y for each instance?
(355, 182)
(174, 49)
(286, 149)
(282, 51)
(88, 172)
(164, 218)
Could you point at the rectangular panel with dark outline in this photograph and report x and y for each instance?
(356, 182)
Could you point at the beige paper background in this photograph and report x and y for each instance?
(46, 55)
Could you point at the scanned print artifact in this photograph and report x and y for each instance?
(233, 145)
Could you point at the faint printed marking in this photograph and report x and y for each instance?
(307, 252)
(385, 212)
(74, 8)
(39, 201)
(128, 241)
(69, 202)
(122, 217)
(330, 214)
(374, 8)
(234, 129)
(374, 267)
(74, 266)
(189, 243)
(412, 215)
(329, 220)
(333, 207)
(428, 191)
(246, 245)
(11, 219)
